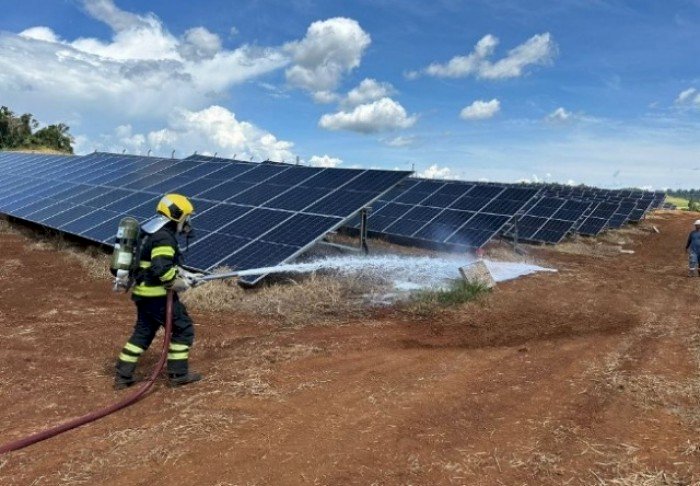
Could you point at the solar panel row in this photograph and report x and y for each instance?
(250, 215)
(446, 214)
(458, 214)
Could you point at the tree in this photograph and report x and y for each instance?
(56, 137)
(18, 132)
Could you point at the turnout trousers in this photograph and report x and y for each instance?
(692, 263)
(150, 316)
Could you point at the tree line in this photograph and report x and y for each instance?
(19, 132)
(685, 193)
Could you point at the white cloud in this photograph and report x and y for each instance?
(686, 95)
(330, 49)
(560, 115)
(325, 97)
(480, 110)
(213, 129)
(199, 43)
(367, 91)
(324, 161)
(437, 172)
(689, 97)
(381, 115)
(40, 33)
(143, 71)
(538, 50)
(107, 12)
(400, 141)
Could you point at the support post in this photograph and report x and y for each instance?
(363, 231)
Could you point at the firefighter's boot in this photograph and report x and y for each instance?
(124, 376)
(186, 379)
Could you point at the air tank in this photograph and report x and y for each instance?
(124, 251)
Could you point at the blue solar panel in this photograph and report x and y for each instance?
(218, 217)
(88, 195)
(331, 178)
(197, 186)
(404, 227)
(225, 190)
(467, 203)
(255, 223)
(56, 208)
(104, 232)
(503, 206)
(296, 198)
(394, 210)
(60, 219)
(80, 225)
(301, 229)
(593, 226)
(546, 207)
(553, 231)
(211, 248)
(261, 254)
(256, 195)
(420, 213)
(261, 173)
(32, 207)
(106, 198)
(341, 203)
(293, 177)
(528, 226)
(125, 204)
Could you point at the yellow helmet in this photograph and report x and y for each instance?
(175, 207)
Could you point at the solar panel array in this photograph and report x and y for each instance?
(459, 215)
(446, 214)
(248, 215)
(252, 215)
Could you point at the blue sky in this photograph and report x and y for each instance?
(600, 92)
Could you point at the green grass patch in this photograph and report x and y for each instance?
(679, 202)
(458, 292)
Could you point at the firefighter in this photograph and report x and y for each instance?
(158, 271)
(693, 249)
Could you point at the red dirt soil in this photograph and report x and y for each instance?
(587, 376)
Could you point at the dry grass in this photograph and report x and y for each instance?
(6, 227)
(314, 299)
(587, 247)
(93, 259)
(643, 478)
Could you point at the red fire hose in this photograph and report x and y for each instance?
(98, 414)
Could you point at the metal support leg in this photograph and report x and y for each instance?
(363, 231)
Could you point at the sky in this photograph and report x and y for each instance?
(601, 92)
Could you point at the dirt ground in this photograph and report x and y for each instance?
(587, 376)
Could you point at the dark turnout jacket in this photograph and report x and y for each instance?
(694, 242)
(160, 255)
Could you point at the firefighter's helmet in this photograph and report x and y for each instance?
(175, 207)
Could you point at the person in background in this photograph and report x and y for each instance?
(693, 249)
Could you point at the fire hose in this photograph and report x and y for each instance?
(103, 412)
(139, 393)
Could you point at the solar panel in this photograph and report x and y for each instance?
(248, 215)
(451, 215)
(593, 226)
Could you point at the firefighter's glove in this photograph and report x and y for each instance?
(178, 284)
